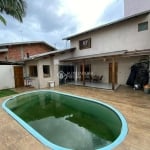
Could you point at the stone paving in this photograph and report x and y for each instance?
(134, 105)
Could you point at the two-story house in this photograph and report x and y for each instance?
(104, 54)
(111, 49)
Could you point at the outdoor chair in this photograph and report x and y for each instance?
(97, 78)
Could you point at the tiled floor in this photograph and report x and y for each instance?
(135, 106)
(99, 85)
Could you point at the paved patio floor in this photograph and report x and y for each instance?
(134, 105)
(99, 85)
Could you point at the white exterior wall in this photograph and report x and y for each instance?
(100, 68)
(40, 81)
(53, 62)
(43, 81)
(135, 6)
(117, 37)
(124, 68)
(6, 77)
(35, 80)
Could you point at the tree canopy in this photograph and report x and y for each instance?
(14, 8)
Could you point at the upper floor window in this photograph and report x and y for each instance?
(143, 26)
(46, 71)
(33, 71)
(86, 43)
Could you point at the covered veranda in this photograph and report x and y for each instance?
(107, 86)
(85, 75)
(104, 71)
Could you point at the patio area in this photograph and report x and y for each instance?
(134, 105)
(99, 85)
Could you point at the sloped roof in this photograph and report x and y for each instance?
(122, 53)
(10, 63)
(94, 56)
(105, 25)
(49, 53)
(26, 43)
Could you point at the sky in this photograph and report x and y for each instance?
(52, 20)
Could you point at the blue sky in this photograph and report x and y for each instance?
(52, 20)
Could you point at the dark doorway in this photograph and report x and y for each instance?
(66, 74)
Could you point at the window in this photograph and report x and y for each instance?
(143, 26)
(28, 55)
(46, 71)
(33, 71)
(86, 43)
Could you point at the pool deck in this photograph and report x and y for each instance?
(134, 105)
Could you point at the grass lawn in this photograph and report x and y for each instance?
(7, 92)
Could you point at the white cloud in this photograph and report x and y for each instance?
(50, 21)
(86, 11)
(112, 12)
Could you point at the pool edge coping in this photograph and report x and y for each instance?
(39, 137)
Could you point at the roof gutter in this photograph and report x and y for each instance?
(11, 63)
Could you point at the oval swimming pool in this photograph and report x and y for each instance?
(63, 121)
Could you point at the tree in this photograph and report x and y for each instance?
(14, 8)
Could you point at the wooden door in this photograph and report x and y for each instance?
(18, 75)
(116, 72)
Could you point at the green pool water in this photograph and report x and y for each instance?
(67, 121)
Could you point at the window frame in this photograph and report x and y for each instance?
(143, 26)
(85, 43)
(46, 75)
(33, 71)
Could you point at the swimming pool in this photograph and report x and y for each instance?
(63, 121)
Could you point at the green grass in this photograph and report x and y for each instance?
(7, 92)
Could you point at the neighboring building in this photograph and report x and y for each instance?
(132, 7)
(12, 57)
(19, 51)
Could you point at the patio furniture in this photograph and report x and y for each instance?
(28, 81)
(97, 78)
(88, 78)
